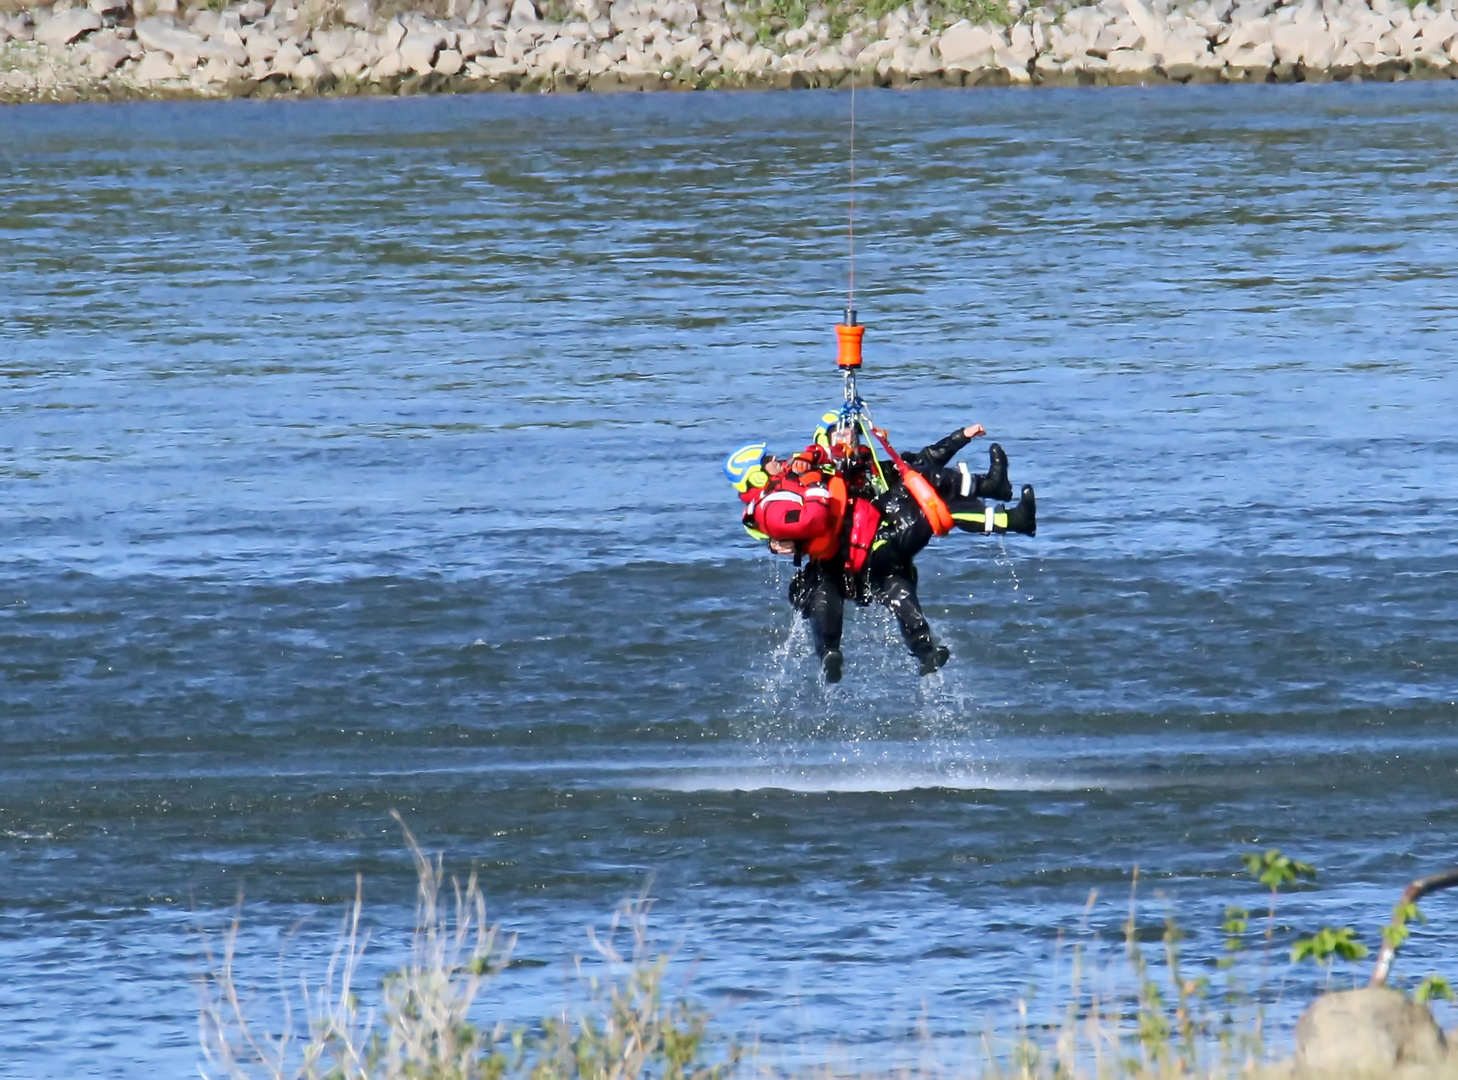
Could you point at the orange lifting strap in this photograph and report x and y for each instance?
(937, 514)
(849, 337)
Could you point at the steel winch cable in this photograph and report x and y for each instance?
(850, 296)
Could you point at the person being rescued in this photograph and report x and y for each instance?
(857, 523)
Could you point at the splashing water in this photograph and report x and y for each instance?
(883, 728)
(1002, 559)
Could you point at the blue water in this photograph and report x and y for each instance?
(361, 455)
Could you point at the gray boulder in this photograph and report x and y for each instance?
(162, 35)
(523, 13)
(419, 49)
(104, 52)
(1375, 1030)
(19, 27)
(66, 27)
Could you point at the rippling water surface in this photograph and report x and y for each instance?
(359, 455)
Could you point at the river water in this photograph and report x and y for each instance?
(361, 455)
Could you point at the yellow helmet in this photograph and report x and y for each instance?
(822, 431)
(744, 467)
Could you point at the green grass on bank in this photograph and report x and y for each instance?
(1142, 1012)
(770, 17)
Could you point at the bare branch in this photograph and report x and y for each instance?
(1410, 896)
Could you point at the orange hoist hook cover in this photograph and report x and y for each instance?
(849, 338)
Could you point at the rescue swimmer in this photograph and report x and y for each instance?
(854, 522)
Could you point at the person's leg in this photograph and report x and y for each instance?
(971, 515)
(994, 483)
(897, 590)
(827, 619)
(1023, 518)
(962, 483)
(815, 593)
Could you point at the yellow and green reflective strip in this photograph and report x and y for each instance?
(999, 519)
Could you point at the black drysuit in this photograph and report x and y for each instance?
(818, 589)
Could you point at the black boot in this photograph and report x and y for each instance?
(995, 484)
(1023, 518)
(830, 665)
(933, 659)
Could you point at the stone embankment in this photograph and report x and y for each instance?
(121, 49)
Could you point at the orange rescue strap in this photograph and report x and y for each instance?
(921, 490)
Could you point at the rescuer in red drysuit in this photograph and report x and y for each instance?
(796, 506)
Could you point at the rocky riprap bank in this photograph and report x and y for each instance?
(121, 49)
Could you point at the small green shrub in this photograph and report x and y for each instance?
(1434, 986)
(1328, 945)
(1275, 871)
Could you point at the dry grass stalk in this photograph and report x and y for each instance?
(631, 1032)
(1141, 1017)
(422, 1029)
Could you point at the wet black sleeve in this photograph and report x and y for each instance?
(937, 454)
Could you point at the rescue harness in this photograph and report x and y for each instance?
(854, 411)
(810, 503)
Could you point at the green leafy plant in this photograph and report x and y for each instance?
(1396, 932)
(1235, 926)
(1327, 945)
(1275, 871)
(1434, 986)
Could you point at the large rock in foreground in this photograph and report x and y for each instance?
(1375, 1031)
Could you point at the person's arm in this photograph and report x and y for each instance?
(938, 454)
